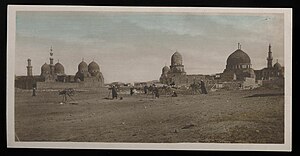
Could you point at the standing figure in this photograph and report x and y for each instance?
(131, 91)
(203, 88)
(174, 94)
(145, 89)
(194, 87)
(33, 91)
(114, 92)
(155, 92)
(150, 89)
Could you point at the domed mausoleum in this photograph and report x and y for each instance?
(238, 59)
(82, 72)
(93, 68)
(165, 70)
(45, 70)
(164, 75)
(238, 66)
(175, 74)
(90, 74)
(277, 66)
(82, 67)
(59, 69)
(53, 76)
(176, 63)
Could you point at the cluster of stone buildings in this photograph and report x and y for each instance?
(176, 75)
(53, 76)
(238, 72)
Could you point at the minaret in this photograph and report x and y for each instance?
(51, 61)
(29, 68)
(270, 58)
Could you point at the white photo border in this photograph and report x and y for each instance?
(11, 29)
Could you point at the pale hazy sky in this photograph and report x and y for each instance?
(133, 47)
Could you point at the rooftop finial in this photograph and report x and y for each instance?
(82, 59)
(277, 60)
(238, 45)
(58, 60)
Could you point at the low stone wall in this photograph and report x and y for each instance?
(25, 83)
(62, 85)
(56, 85)
(232, 85)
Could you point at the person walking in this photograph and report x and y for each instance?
(114, 92)
(131, 91)
(145, 89)
(155, 92)
(203, 88)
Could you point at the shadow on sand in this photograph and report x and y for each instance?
(265, 95)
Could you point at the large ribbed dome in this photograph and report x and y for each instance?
(165, 69)
(82, 66)
(238, 57)
(45, 68)
(93, 68)
(176, 59)
(59, 68)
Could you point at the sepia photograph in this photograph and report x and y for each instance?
(186, 78)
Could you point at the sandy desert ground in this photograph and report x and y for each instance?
(249, 116)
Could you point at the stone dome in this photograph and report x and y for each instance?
(45, 68)
(238, 57)
(277, 66)
(82, 67)
(59, 68)
(165, 69)
(176, 59)
(93, 68)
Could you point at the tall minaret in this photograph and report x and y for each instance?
(270, 58)
(51, 61)
(29, 68)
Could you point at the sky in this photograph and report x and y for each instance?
(135, 46)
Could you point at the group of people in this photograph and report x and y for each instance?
(154, 90)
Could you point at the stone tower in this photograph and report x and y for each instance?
(270, 58)
(29, 68)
